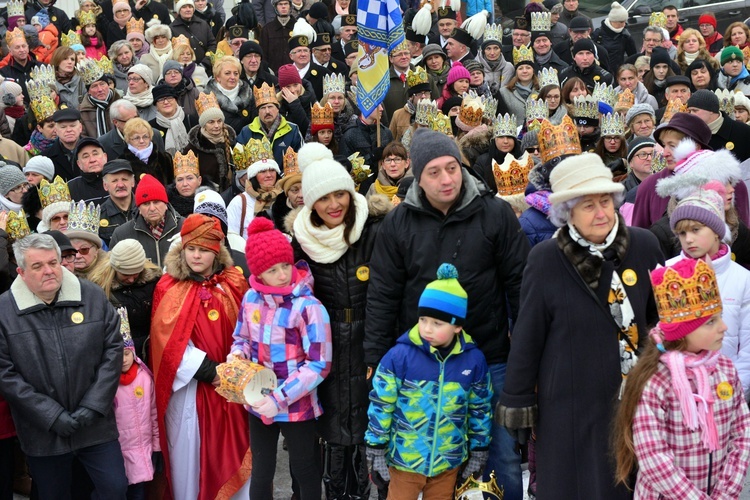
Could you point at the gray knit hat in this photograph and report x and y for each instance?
(531, 138)
(426, 145)
(704, 99)
(171, 65)
(639, 109)
(40, 165)
(128, 256)
(705, 205)
(144, 72)
(10, 178)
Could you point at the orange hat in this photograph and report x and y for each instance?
(202, 231)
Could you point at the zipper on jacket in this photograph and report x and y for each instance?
(437, 413)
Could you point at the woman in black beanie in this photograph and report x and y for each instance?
(656, 79)
(702, 75)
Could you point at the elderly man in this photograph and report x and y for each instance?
(321, 52)
(119, 207)
(521, 35)
(458, 46)
(400, 59)
(95, 105)
(348, 33)
(580, 28)
(251, 57)
(449, 215)
(156, 223)
(274, 37)
(113, 141)
(726, 133)
(653, 38)
(446, 23)
(676, 87)
(299, 52)
(21, 62)
(68, 129)
(60, 364)
(90, 158)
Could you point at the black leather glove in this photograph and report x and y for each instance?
(157, 460)
(65, 425)
(207, 371)
(84, 416)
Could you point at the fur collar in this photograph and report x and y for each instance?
(378, 205)
(177, 267)
(70, 291)
(476, 142)
(589, 266)
(243, 98)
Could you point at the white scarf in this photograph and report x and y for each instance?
(689, 58)
(142, 100)
(609, 25)
(324, 245)
(231, 94)
(142, 154)
(6, 203)
(176, 138)
(161, 55)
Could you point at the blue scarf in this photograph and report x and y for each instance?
(743, 74)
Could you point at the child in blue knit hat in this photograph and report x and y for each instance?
(430, 411)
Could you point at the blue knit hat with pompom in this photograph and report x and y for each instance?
(444, 298)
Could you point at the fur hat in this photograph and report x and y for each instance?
(181, 3)
(155, 28)
(581, 175)
(321, 174)
(266, 246)
(202, 231)
(128, 256)
(705, 205)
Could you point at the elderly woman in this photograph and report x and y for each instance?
(117, 29)
(187, 92)
(88, 244)
(140, 85)
(185, 55)
(55, 213)
(572, 350)
(171, 120)
(70, 86)
(259, 196)
(234, 95)
(197, 30)
(123, 58)
(141, 153)
(640, 121)
(212, 142)
(159, 38)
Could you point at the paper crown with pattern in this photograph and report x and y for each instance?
(132, 26)
(180, 40)
(511, 179)
(523, 54)
(291, 165)
(70, 38)
(258, 150)
(42, 104)
(680, 299)
(658, 19)
(604, 93)
(239, 157)
(426, 111)
(265, 94)
(586, 107)
(90, 70)
(625, 100)
(16, 34)
(441, 123)
(212, 56)
(541, 21)
(359, 171)
(658, 163)
(416, 77)
(401, 47)
(490, 107)
(322, 117)
(52, 192)
(86, 18)
(558, 140)
(474, 488)
(43, 73)
(726, 101)
(612, 124)
(493, 32)
(206, 101)
(548, 76)
(15, 8)
(471, 113)
(334, 83)
(106, 64)
(84, 217)
(184, 164)
(127, 339)
(505, 126)
(536, 112)
(673, 106)
(17, 226)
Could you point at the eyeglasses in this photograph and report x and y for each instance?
(644, 155)
(21, 187)
(612, 139)
(84, 250)
(140, 138)
(394, 159)
(532, 149)
(424, 93)
(59, 218)
(69, 257)
(135, 79)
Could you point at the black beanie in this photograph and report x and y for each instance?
(697, 64)
(659, 56)
(584, 44)
(704, 99)
(451, 102)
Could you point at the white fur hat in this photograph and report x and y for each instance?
(262, 166)
(59, 207)
(181, 3)
(321, 174)
(155, 27)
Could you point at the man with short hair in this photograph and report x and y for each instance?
(585, 67)
(570, 12)
(60, 366)
(274, 37)
(544, 56)
(579, 29)
(90, 158)
(68, 129)
(673, 26)
(450, 216)
(113, 142)
(321, 53)
(347, 33)
(404, 117)
(446, 23)
(676, 87)
(400, 59)
(119, 207)
(653, 36)
(21, 61)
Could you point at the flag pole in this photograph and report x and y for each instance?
(377, 124)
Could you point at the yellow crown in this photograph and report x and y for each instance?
(512, 176)
(15, 8)
(625, 100)
(536, 111)
(206, 101)
(522, 54)
(334, 83)
(52, 192)
(726, 100)
(42, 105)
(604, 93)
(473, 488)
(403, 46)
(541, 21)
(265, 94)
(16, 34)
(586, 107)
(322, 116)
(417, 77)
(180, 40)
(84, 218)
(505, 126)
(132, 26)
(360, 172)
(44, 74)
(612, 124)
(490, 107)
(16, 225)
(673, 106)
(658, 19)
(86, 18)
(681, 299)
(426, 110)
(471, 113)
(106, 65)
(548, 76)
(555, 141)
(36, 89)
(493, 32)
(441, 123)
(213, 56)
(71, 38)
(658, 163)
(90, 70)
(258, 150)
(291, 165)
(184, 164)
(239, 157)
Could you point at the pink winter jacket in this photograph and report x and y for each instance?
(135, 412)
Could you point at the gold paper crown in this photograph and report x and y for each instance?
(86, 18)
(322, 115)
(541, 21)
(473, 488)
(106, 65)
(493, 32)
(417, 77)
(334, 83)
(90, 70)
(291, 165)
(658, 19)
(44, 74)
(36, 90)
(556, 141)
(681, 299)
(625, 100)
(84, 218)
(585, 107)
(726, 101)
(239, 157)
(15, 8)
(71, 38)
(522, 54)
(127, 339)
(505, 126)
(612, 124)
(548, 76)
(206, 101)
(258, 150)
(400, 47)
(441, 123)
(360, 171)
(265, 94)
(180, 40)
(42, 105)
(184, 164)
(472, 110)
(52, 192)
(213, 56)
(673, 106)
(16, 34)
(512, 176)
(604, 93)
(536, 109)
(16, 225)
(426, 111)
(658, 163)
(132, 26)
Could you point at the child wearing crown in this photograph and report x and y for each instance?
(430, 405)
(683, 423)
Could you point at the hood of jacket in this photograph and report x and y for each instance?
(471, 189)
(412, 337)
(177, 266)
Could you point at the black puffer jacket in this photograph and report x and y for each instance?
(619, 45)
(137, 299)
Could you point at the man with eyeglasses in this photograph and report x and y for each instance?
(90, 158)
(113, 141)
(321, 52)
(274, 37)
(640, 157)
(398, 94)
(299, 52)
(68, 128)
(653, 36)
(403, 118)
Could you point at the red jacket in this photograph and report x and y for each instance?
(7, 429)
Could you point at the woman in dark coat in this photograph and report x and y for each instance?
(142, 155)
(212, 142)
(340, 268)
(586, 306)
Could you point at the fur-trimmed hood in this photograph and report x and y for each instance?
(243, 100)
(177, 267)
(475, 142)
(377, 205)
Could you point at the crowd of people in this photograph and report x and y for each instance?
(533, 217)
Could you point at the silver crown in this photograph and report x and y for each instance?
(585, 107)
(493, 32)
(15, 8)
(548, 76)
(612, 124)
(541, 21)
(490, 107)
(726, 101)
(84, 218)
(334, 83)
(505, 126)
(605, 93)
(426, 110)
(536, 109)
(44, 73)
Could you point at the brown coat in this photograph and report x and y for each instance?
(88, 115)
(400, 122)
(274, 40)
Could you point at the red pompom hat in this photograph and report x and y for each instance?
(266, 246)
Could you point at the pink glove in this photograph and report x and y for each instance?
(267, 407)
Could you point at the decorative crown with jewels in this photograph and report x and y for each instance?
(493, 32)
(84, 218)
(258, 150)
(541, 21)
(334, 83)
(86, 18)
(612, 124)
(625, 100)
(401, 47)
(658, 163)
(52, 192)
(473, 488)
(586, 107)
(441, 123)
(604, 93)
(206, 101)
(214, 56)
(512, 176)
(556, 141)
(360, 171)
(42, 104)
(107, 67)
(673, 106)
(322, 116)
(239, 157)
(17, 226)
(15, 8)
(127, 339)
(416, 77)
(523, 54)
(184, 164)
(180, 40)
(291, 165)
(505, 126)
(681, 299)
(658, 19)
(71, 38)
(426, 111)
(16, 34)
(726, 101)
(548, 76)
(132, 26)
(89, 70)
(471, 112)
(265, 94)
(490, 107)
(44, 73)
(536, 112)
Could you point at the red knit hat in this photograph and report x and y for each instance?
(288, 75)
(266, 246)
(202, 231)
(150, 189)
(707, 19)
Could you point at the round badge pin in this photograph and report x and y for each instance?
(363, 273)
(629, 277)
(724, 390)
(76, 318)
(213, 314)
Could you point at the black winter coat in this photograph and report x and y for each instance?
(618, 45)
(590, 76)
(159, 165)
(669, 243)
(137, 299)
(212, 158)
(138, 229)
(734, 136)
(88, 187)
(239, 112)
(362, 138)
(65, 165)
(199, 33)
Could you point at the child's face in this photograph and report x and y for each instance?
(127, 359)
(437, 333)
(699, 240)
(461, 86)
(709, 336)
(278, 276)
(90, 29)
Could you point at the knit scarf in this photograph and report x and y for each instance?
(609, 25)
(6, 203)
(341, 11)
(15, 111)
(386, 185)
(124, 69)
(141, 100)
(540, 201)
(215, 139)
(231, 94)
(38, 141)
(264, 197)
(187, 71)
(524, 91)
(271, 131)
(101, 108)
(128, 377)
(324, 245)
(142, 154)
(689, 58)
(161, 55)
(176, 138)
(697, 408)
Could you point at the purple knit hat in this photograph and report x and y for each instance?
(457, 72)
(705, 205)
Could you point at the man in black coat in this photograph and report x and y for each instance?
(274, 37)
(449, 216)
(585, 67)
(22, 61)
(299, 52)
(151, 9)
(62, 151)
(113, 142)
(119, 207)
(321, 52)
(730, 134)
(90, 158)
(581, 28)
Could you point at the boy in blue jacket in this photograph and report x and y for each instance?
(430, 405)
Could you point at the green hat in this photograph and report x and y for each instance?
(444, 299)
(731, 53)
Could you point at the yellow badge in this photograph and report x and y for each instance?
(212, 23)
(244, 112)
(363, 273)
(729, 145)
(629, 277)
(333, 64)
(213, 314)
(239, 269)
(76, 318)
(734, 257)
(597, 78)
(256, 316)
(141, 177)
(156, 16)
(103, 223)
(724, 390)
(291, 34)
(54, 18)
(138, 392)
(314, 72)
(201, 198)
